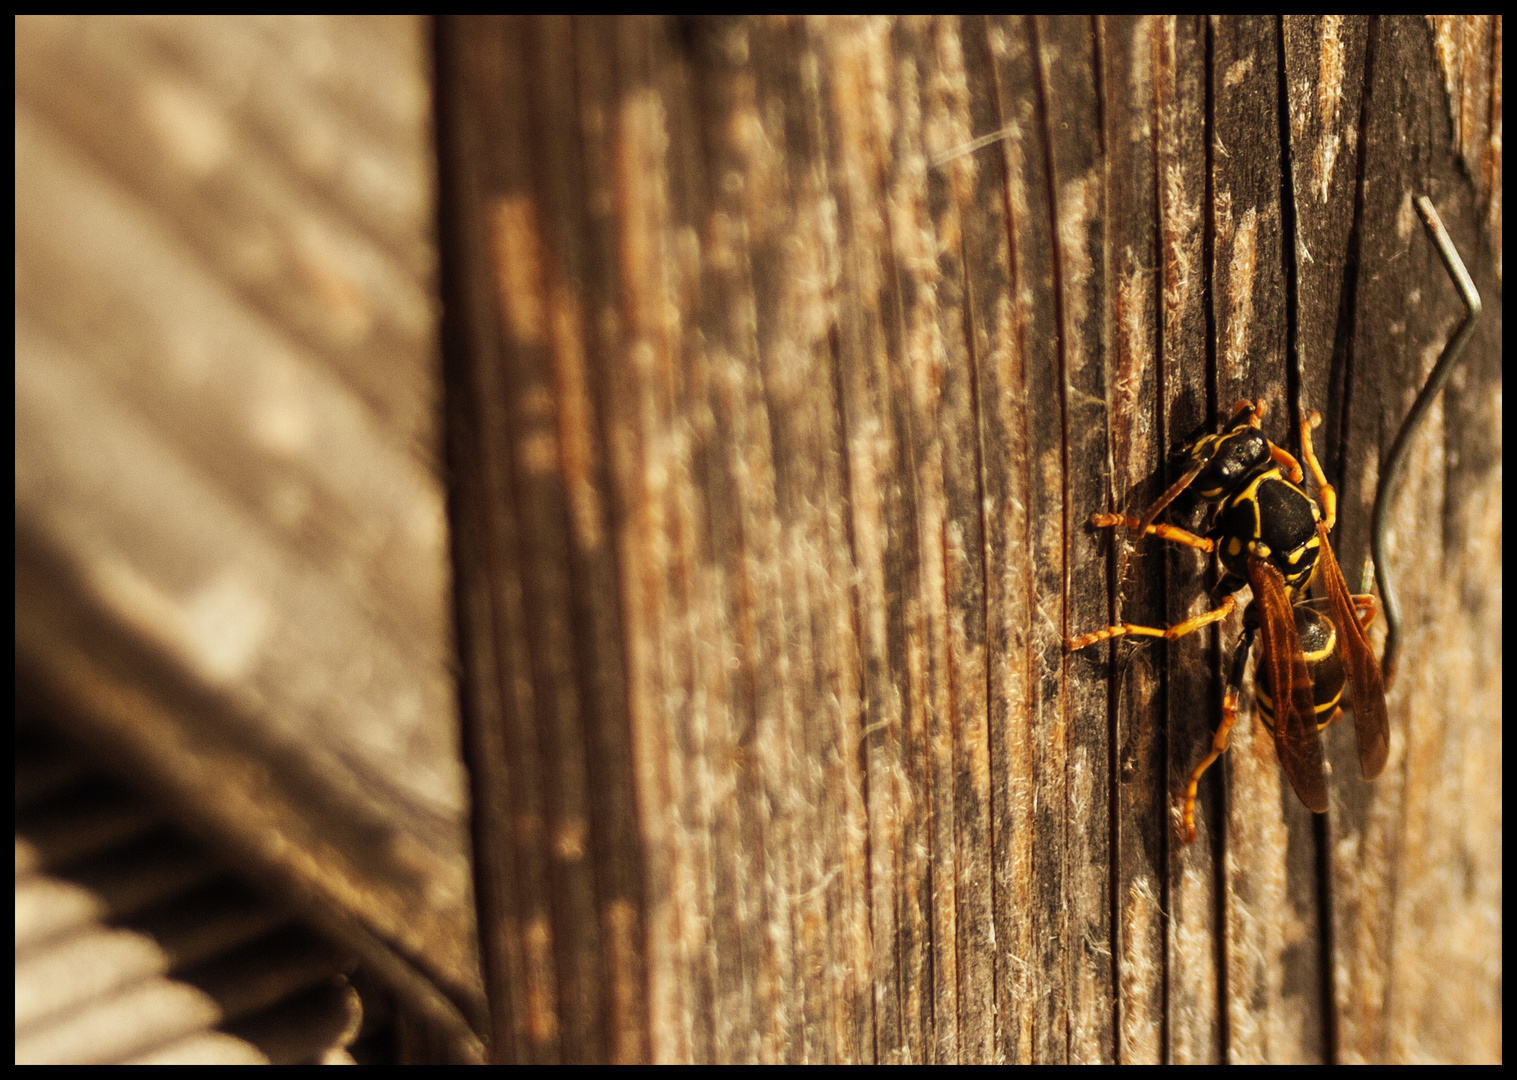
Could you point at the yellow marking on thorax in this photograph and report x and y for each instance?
(1250, 495)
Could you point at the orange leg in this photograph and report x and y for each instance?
(1219, 742)
(1287, 460)
(1255, 409)
(1163, 532)
(1365, 608)
(1324, 489)
(1179, 630)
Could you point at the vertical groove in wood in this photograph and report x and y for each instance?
(1193, 936)
(1132, 285)
(1009, 297)
(1274, 1012)
(1323, 72)
(1193, 945)
(1078, 207)
(1046, 774)
(851, 82)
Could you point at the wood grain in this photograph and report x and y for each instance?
(838, 386)
(784, 362)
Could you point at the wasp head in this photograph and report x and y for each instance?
(1211, 464)
(1215, 463)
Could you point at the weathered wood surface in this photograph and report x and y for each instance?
(231, 567)
(775, 417)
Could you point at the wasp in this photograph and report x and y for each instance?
(1270, 535)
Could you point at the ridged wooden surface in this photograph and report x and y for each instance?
(133, 945)
(232, 543)
(773, 415)
(776, 412)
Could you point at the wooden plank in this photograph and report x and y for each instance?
(1130, 50)
(1075, 138)
(232, 578)
(1323, 67)
(1401, 981)
(1274, 1011)
(1000, 318)
(1034, 896)
(789, 359)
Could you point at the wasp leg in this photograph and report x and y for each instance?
(1163, 532)
(1255, 409)
(1219, 738)
(1328, 493)
(1179, 630)
(1364, 609)
(1285, 458)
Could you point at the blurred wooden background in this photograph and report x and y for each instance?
(232, 575)
(773, 411)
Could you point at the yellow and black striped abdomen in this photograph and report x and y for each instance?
(1319, 647)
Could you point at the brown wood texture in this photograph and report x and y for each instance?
(777, 409)
(232, 579)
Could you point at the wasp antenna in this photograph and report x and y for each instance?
(1395, 460)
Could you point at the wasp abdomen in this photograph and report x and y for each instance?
(1324, 665)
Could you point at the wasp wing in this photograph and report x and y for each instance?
(1371, 723)
(1296, 740)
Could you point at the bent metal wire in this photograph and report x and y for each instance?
(1395, 460)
